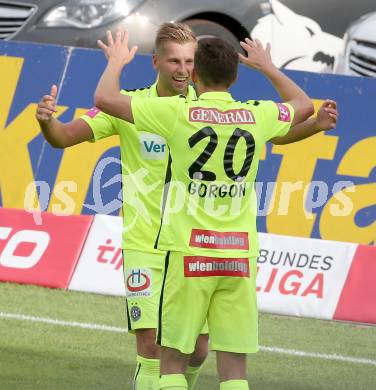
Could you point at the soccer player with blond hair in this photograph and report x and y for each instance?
(175, 46)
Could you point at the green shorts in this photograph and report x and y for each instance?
(143, 277)
(223, 291)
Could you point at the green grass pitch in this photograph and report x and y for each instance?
(35, 355)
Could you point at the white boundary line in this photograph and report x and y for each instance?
(107, 328)
(52, 321)
(326, 356)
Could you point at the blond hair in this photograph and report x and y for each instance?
(175, 32)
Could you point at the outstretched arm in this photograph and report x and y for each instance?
(59, 134)
(326, 119)
(259, 58)
(107, 95)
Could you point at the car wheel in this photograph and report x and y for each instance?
(207, 29)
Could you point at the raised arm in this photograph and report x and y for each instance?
(58, 134)
(107, 95)
(259, 58)
(326, 119)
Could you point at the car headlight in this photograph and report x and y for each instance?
(86, 14)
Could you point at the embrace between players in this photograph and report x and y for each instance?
(200, 258)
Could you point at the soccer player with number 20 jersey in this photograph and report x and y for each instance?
(208, 227)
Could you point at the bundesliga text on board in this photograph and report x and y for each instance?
(301, 276)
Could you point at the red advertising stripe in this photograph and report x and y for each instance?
(219, 240)
(358, 299)
(199, 266)
(44, 254)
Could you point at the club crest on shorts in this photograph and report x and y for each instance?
(135, 313)
(138, 282)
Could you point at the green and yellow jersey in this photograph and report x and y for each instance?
(144, 157)
(215, 144)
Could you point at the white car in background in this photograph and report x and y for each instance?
(305, 34)
(358, 57)
(298, 42)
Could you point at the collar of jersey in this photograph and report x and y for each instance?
(216, 96)
(190, 95)
(153, 90)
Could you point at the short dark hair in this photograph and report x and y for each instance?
(216, 62)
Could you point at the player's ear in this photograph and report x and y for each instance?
(155, 61)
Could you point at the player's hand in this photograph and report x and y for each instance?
(116, 50)
(47, 106)
(256, 56)
(327, 116)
